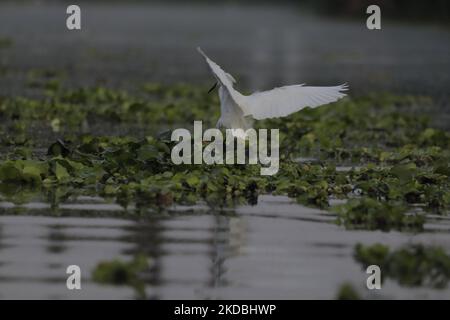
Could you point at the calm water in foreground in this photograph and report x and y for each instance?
(274, 250)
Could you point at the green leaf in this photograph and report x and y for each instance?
(61, 173)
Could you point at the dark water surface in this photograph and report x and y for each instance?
(274, 250)
(263, 46)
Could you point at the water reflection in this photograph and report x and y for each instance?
(276, 249)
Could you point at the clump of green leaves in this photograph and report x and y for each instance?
(118, 272)
(402, 160)
(367, 213)
(349, 128)
(73, 111)
(419, 181)
(414, 265)
(347, 292)
(23, 171)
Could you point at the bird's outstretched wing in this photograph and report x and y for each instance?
(283, 101)
(223, 77)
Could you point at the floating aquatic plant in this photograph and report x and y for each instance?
(399, 159)
(413, 265)
(119, 272)
(367, 213)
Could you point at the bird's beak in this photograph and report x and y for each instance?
(213, 87)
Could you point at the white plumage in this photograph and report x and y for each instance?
(238, 110)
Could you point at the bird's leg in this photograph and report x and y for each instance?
(213, 87)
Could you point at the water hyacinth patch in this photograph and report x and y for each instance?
(392, 172)
(367, 213)
(118, 272)
(413, 265)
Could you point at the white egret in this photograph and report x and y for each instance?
(238, 110)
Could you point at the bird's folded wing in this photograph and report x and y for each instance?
(283, 101)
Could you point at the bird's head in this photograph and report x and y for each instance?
(229, 77)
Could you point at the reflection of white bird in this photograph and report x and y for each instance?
(237, 109)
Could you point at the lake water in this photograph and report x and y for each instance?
(276, 249)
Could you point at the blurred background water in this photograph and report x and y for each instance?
(264, 45)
